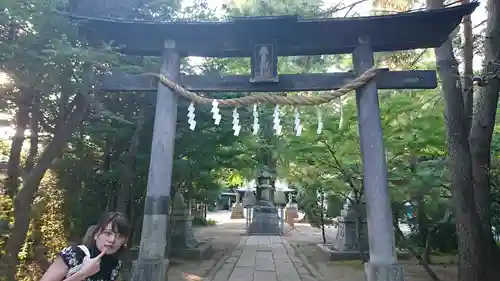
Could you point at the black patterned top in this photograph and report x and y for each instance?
(109, 268)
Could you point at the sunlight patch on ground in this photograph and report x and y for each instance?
(191, 277)
(4, 79)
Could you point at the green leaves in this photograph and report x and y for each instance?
(414, 140)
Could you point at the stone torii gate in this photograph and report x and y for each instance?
(264, 39)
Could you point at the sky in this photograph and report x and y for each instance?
(363, 9)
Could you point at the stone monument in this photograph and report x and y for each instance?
(346, 239)
(265, 220)
(237, 211)
(182, 225)
(182, 241)
(346, 246)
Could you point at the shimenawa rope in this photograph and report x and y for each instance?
(359, 82)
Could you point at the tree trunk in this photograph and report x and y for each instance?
(426, 255)
(468, 57)
(128, 164)
(24, 199)
(34, 128)
(322, 216)
(470, 246)
(483, 122)
(14, 163)
(422, 222)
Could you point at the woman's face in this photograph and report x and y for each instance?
(108, 240)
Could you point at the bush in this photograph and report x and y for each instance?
(203, 222)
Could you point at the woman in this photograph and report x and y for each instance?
(107, 240)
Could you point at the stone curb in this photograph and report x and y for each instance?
(211, 274)
(222, 261)
(318, 276)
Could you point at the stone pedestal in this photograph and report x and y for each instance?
(347, 239)
(265, 220)
(384, 272)
(149, 269)
(182, 236)
(237, 211)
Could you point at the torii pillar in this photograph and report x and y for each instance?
(152, 263)
(383, 264)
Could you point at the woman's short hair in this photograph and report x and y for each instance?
(119, 224)
(89, 235)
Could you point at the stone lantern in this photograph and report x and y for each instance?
(265, 219)
(264, 185)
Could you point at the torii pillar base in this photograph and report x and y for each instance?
(384, 272)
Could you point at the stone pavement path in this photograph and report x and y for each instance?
(263, 258)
